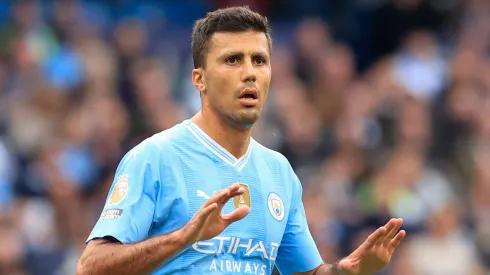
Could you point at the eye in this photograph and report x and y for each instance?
(232, 60)
(259, 61)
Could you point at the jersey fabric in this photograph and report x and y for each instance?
(161, 183)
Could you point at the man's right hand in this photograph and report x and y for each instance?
(209, 222)
(108, 257)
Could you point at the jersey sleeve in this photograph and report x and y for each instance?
(298, 251)
(129, 209)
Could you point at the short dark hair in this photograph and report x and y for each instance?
(233, 19)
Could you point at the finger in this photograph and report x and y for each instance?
(374, 237)
(202, 216)
(397, 240)
(206, 211)
(392, 232)
(236, 215)
(224, 195)
(233, 187)
(218, 197)
(199, 220)
(237, 192)
(225, 200)
(389, 227)
(233, 193)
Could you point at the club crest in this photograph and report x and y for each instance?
(276, 206)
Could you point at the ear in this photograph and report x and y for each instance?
(198, 79)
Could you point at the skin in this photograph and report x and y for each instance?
(102, 256)
(234, 62)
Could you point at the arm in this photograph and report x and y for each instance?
(325, 269)
(115, 245)
(102, 256)
(370, 257)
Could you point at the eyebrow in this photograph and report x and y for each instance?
(241, 54)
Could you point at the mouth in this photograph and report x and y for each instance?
(249, 97)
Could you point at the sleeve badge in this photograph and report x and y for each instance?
(120, 190)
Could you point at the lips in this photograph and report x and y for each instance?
(249, 93)
(249, 97)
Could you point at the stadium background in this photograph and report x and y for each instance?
(382, 107)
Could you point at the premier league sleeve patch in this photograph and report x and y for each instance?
(120, 190)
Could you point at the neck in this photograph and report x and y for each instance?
(233, 140)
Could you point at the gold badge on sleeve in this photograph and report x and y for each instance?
(120, 190)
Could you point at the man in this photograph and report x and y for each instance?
(203, 197)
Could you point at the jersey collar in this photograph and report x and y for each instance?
(218, 150)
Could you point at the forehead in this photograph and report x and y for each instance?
(249, 41)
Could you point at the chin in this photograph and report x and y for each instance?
(245, 119)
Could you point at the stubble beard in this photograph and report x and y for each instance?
(242, 119)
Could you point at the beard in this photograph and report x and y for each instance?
(233, 113)
(244, 119)
(241, 119)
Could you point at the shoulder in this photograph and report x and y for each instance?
(160, 145)
(269, 154)
(281, 166)
(273, 158)
(167, 139)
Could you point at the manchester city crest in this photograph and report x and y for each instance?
(276, 206)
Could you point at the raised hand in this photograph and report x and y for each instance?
(209, 222)
(376, 252)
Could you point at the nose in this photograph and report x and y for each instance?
(248, 72)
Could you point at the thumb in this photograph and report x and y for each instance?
(236, 215)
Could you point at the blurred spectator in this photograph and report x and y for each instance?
(446, 247)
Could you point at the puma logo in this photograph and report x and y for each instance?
(202, 194)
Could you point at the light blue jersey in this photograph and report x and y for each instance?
(161, 183)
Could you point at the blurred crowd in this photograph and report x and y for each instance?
(382, 108)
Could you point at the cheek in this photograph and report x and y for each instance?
(266, 80)
(266, 74)
(217, 76)
(220, 89)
